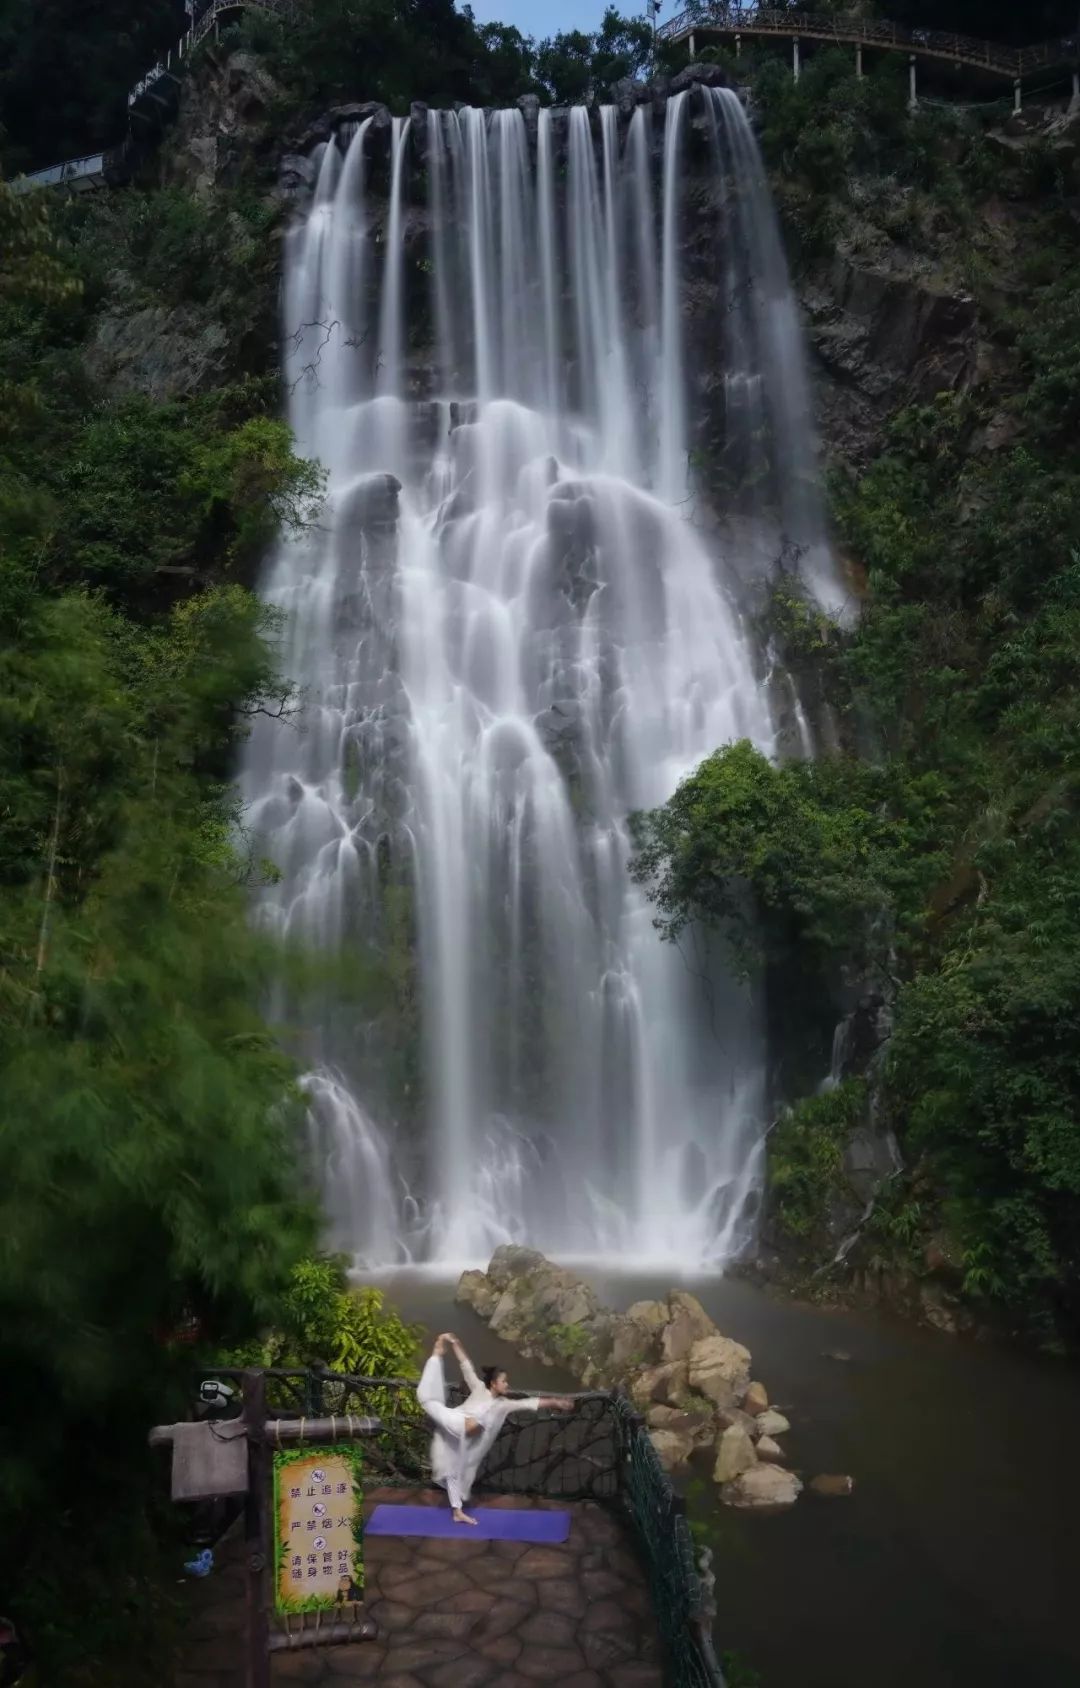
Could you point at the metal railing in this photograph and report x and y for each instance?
(600, 1452)
(850, 29)
(96, 170)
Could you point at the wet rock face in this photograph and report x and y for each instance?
(225, 117)
(889, 320)
(880, 340)
(160, 352)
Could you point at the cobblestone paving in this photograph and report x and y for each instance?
(460, 1614)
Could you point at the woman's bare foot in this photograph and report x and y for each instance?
(462, 1517)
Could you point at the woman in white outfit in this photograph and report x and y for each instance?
(464, 1434)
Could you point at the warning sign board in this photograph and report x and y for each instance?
(318, 1525)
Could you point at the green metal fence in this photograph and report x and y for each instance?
(681, 1600)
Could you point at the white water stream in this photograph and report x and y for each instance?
(511, 635)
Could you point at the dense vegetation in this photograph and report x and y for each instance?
(938, 859)
(150, 1184)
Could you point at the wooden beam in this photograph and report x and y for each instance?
(275, 1430)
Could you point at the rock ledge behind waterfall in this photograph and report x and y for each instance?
(691, 1382)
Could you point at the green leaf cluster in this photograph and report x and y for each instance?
(321, 1320)
(803, 856)
(806, 1156)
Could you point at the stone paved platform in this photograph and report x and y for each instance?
(461, 1614)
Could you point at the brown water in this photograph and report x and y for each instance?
(952, 1565)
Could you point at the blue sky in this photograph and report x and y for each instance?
(546, 17)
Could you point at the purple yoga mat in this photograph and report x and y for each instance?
(492, 1523)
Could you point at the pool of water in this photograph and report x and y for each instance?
(952, 1565)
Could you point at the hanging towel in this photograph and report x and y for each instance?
(209, 1460)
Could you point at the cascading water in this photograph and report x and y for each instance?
(510, 636)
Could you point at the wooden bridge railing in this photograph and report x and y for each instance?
(1012, 62)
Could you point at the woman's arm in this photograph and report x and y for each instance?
(536, 1404)
(468, 1370)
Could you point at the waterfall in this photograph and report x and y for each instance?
(513, 627)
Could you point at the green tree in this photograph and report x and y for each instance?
(149, 1118)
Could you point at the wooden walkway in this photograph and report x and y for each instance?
(460, 1614)
(988, 56)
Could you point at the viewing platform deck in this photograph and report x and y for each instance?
(460, 1613)
(620, 1603)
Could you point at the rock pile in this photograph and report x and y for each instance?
(691, 1383)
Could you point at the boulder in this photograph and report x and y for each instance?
(756, 1399)
(659, 1417)
(709, 75)
(316, 134)
(674, 1448)
(768, 1449)
(942, 1309)
(700, 1427)
(771, 1423)
(650, 1315)
(529, 107)
(557, 1297)
(762, 1486)
(735, 1415)
(296, 171)
(505, 1317)
(475, 1290)
(354, 112)
(734, 1454)
(665, 1384)
(547, 1312)
(719, 1367)
(631, 1344)
(512, 1262)
(830, 1486)
(688, 1322)
(624, 95)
